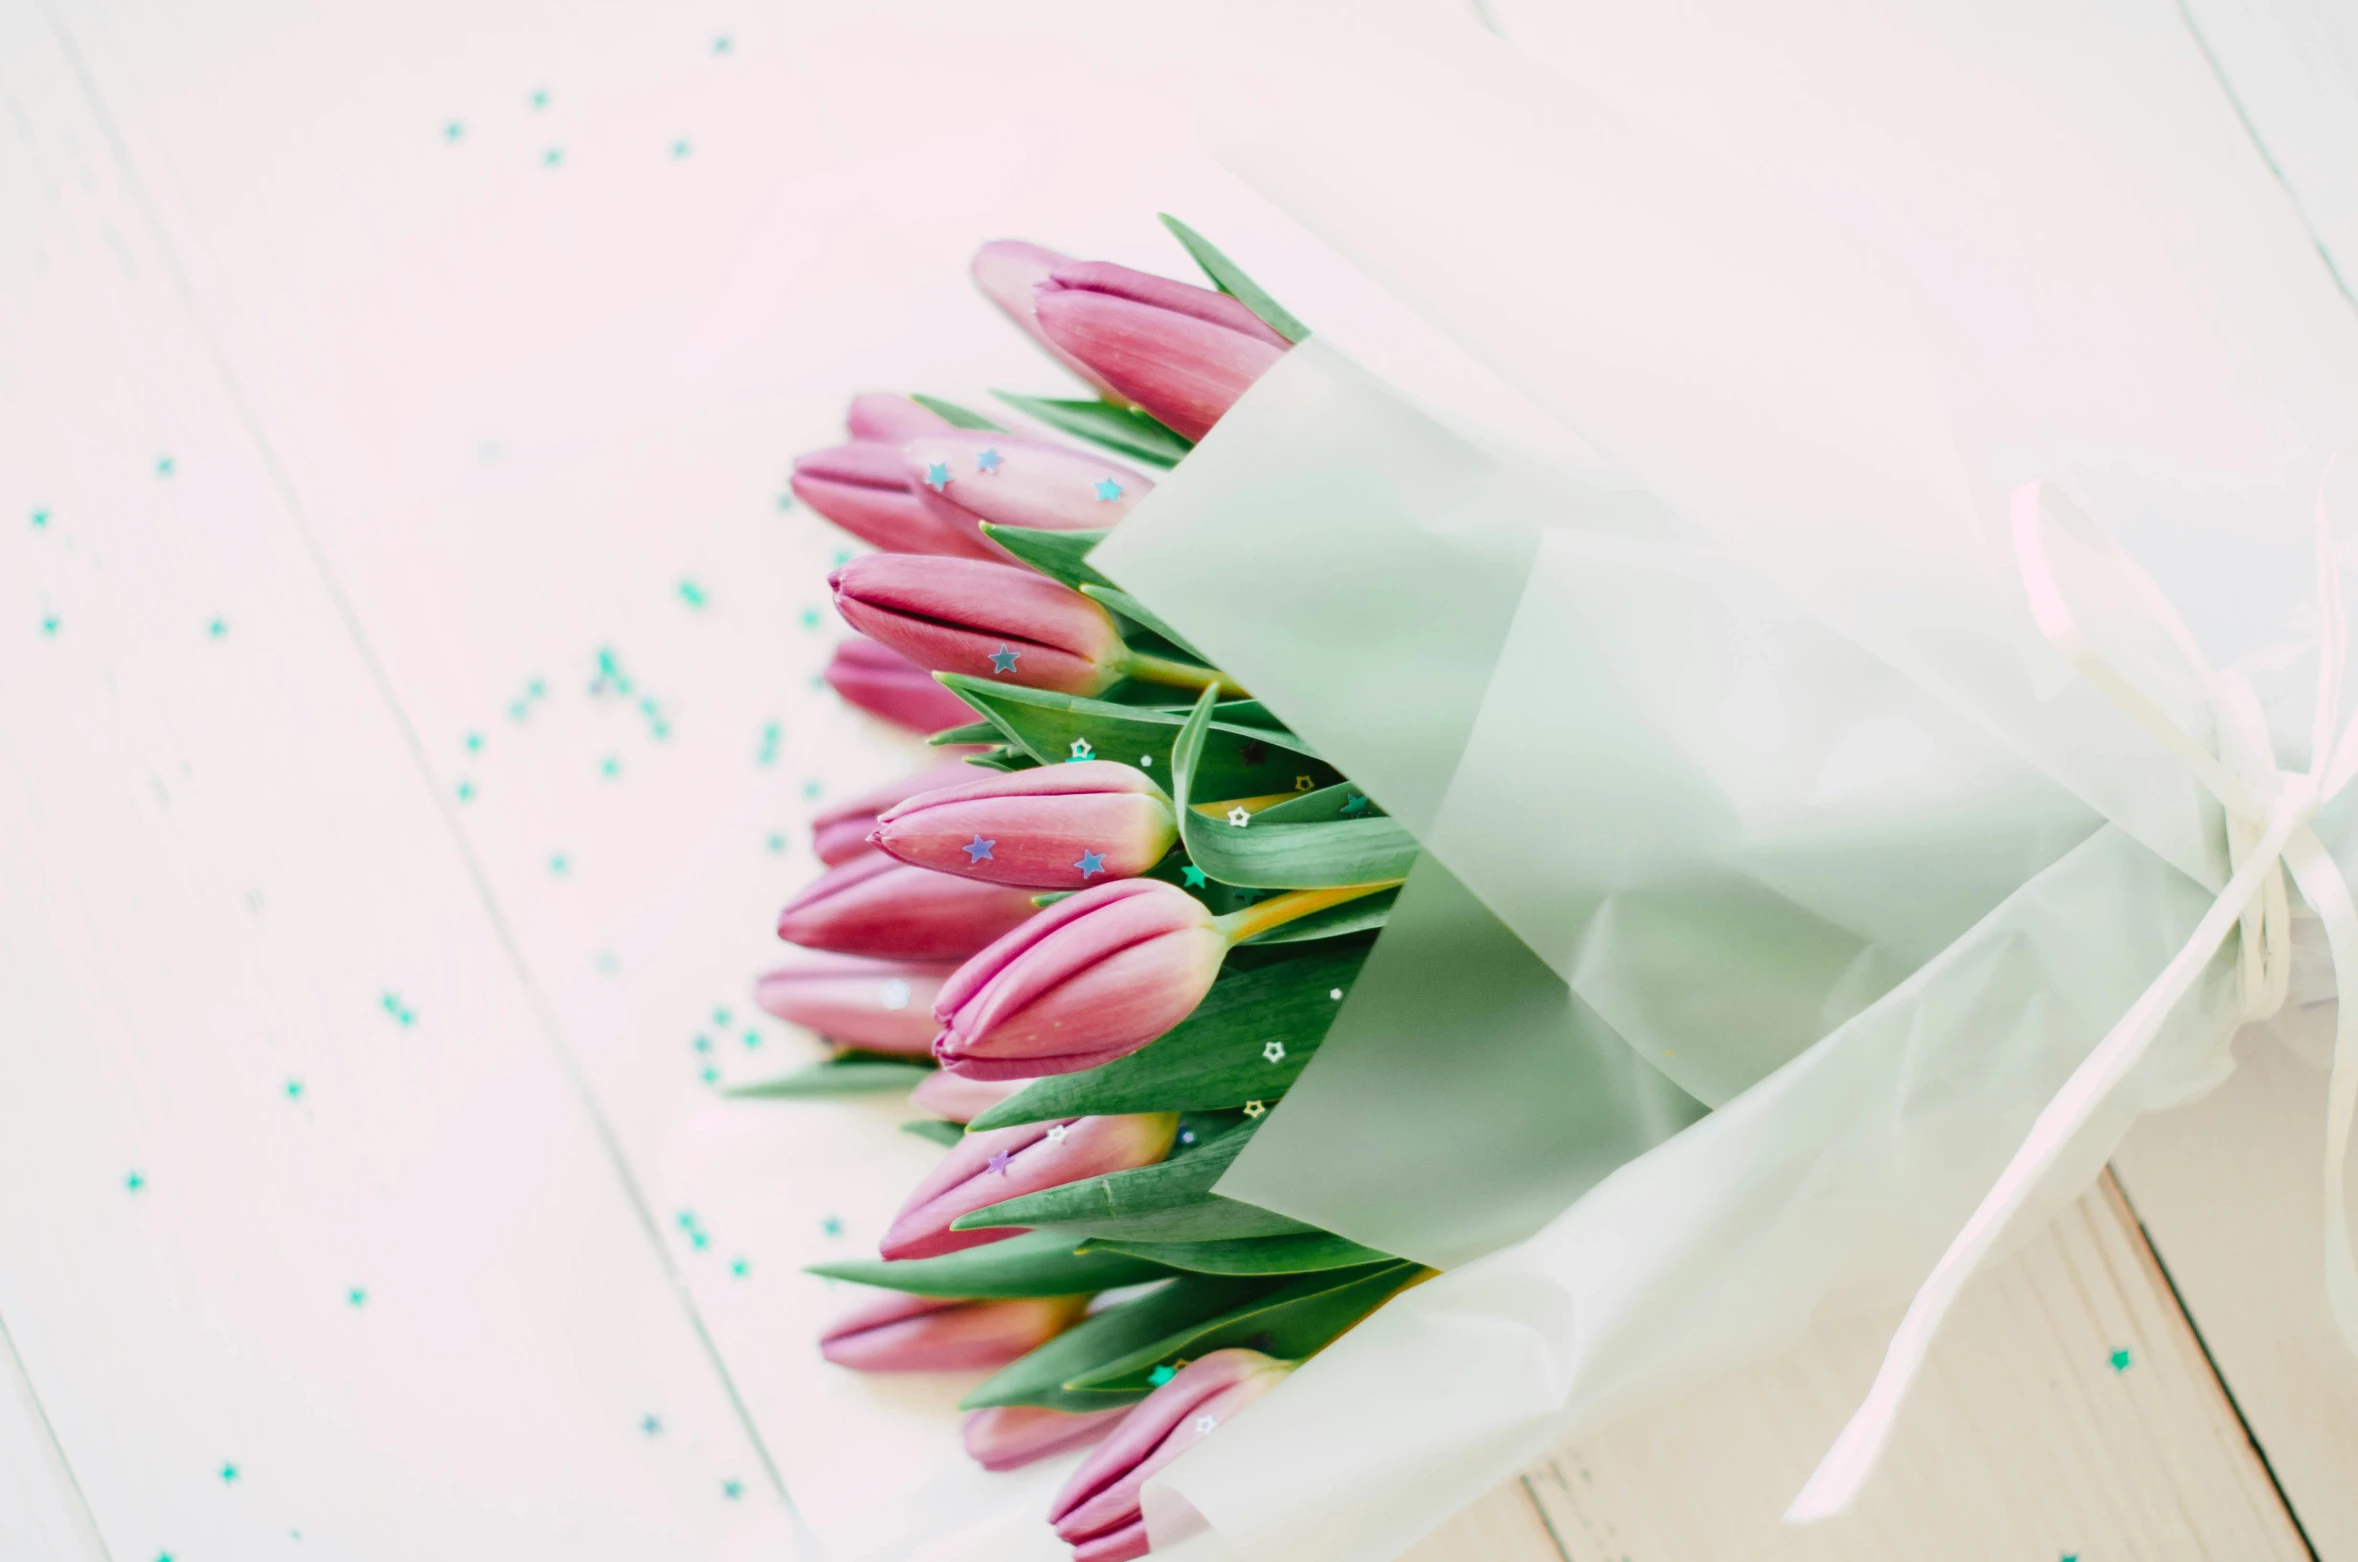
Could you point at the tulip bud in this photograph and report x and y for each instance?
(1052, 827)
(990, 620)
(1097, 1513)
(1007, 1437)
(964, 479)
(1009, 272)
(959, 1099)
(866, 490)
(875, 1005)
(1093, 977)
(842, 831)
(875, 906)
(1183, 353)
(1006, 1163)
(885, 418)
(942, 1334)
(882, 682)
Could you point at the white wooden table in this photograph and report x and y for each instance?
(409, 730)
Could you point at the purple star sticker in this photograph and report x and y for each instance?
(977, 850)
(999, 1162)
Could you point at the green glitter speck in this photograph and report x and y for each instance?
(2120, 1361)
(691, 593)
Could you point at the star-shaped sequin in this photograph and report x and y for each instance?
(1254, 1109)
(1003, 659)
(978, 850)
(1056, 1133)
(1355, 804)
(1000, 1162)
(1193, 876)
(937, 475)
(895, 993)
(1238, 817)
(1108, 490)
(1091, 864)
(1274, 1052)
(1161, 1375)
(1204, 1424)
(987, 460)
(1081, 751)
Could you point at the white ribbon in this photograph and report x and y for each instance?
(2268, 814)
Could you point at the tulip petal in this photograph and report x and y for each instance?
(1009, 271)
(884, 909)
(986, 1168)
(884, 683)
(890, 418)
(1007, 1437)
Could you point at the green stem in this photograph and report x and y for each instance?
(1292, 906)
(1181, 675)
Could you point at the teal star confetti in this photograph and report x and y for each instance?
(1193, 875)
(49, 624)
(1003, 660)
(832, 1226)
(40, 519)
(776, 841)
(612, 767)
(651, 1424)
(685, 1220)
(357, 1296)
(1091, 864)
(540, 99)
(702, 1044)
(135, 1181)
(937, 475)
(164, 466)
(453, 131)
(391, 1003)
(785, 503)
(679, 149)
(700, 1239)
(732, 1489)
(294, 1090)
(1354, 804)
(988, 461)
(606, 964)
(2120, 1361)
(1108, 490)
(710, 1076)
(721, 1017)
(977, 850)
(740, 1268)
(722, 44)
(691, 593)
(466, 791)
(772, 734)
(811, 788)
(811, 618)
(229, 1473)
(751, 1038)
(1161, 1375)
(537, 689)
(474, 742)
(841, 558)
(560, 864)
(551, 158)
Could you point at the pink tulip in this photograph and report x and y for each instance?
(875, 1005)
(967, 478)
(942, 1334)
(882, 682)
(990, 620)
(884, 417)
(1097, 1513)
(875, 906)
(1183, 353)
(1007, 1437)
(1006, 1163)
(959, 1099)
(865, 489)
(1009, 271)
(1089, 979)
(842, 831)
(1052, 827)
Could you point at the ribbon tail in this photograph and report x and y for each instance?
(2328, 894)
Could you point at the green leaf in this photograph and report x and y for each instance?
(956, 415)
(1138, 612)
(1060, 555)
(1116, 1334)
(836, 1077)
(1003, 759)
(1042, 1263)
(1216, 1056)
(1132, 433)
(1289, 1323)
(1169, 1202)
(1233, 760)
(1308, 1253)
(1229, 278)
(959, 737)
(1365, 914)
(1274, 853)
(934, 1128)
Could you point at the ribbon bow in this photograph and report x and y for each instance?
(2268, 813)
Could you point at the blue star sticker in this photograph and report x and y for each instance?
(1003, 660)
(999, 1162)
(1108, 489)
(1355, 804)
(1193, 875)
(987, 460)
(977, 850)
(1091, 863)
(937, 475)
(1161, 1375)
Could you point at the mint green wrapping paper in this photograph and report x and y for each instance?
(1743, 757)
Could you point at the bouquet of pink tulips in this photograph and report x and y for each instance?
(1103, 944)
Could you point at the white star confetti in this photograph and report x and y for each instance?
(1336, 993)
(1206, 1423)
(1274, 1052)
(1082, 750)
(1238, 817)
(895, 994)
(1056, 1133)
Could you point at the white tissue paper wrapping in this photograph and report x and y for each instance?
(1743, 732)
